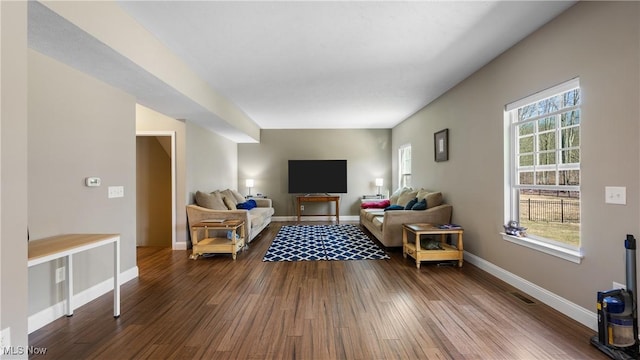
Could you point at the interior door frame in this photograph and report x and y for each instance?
(172, 134)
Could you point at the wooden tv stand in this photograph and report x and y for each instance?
(318, 198)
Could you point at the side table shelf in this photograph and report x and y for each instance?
(413, 249)
(218, 245)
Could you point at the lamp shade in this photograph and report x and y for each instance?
(249, 183)
(379, 181)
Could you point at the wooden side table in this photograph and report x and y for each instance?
(413, 248)
(218, 245)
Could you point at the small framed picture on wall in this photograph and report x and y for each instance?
(441, 145)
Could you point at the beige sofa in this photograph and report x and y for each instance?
(222, 205)
(386, 226)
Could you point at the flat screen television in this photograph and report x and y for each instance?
(317, 176)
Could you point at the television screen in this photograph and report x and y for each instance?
(317, 176)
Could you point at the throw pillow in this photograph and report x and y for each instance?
(228, 194)
(237, 196)
(422, 193)
(247, 205)
(230, 203)
(210, 201)
(394, 207)
(411, 203)
(375, 204)
(434, 199)
(405, 197)
(396, 194)
(420, 205)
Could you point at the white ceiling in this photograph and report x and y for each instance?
(338, 64)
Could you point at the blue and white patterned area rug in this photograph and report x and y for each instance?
(322, 242)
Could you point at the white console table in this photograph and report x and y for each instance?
(56, 247)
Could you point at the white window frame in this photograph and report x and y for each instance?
(403, 172)
(511, 206)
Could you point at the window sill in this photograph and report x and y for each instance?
(558, 251)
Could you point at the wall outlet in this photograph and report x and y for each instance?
(615, 195)
(60, 275)
(301, 207)
(116, 192)
(5, 339)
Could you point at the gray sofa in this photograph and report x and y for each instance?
(222, 205)
(386, 226)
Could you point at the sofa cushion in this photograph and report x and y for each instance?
(259, 216)
(237, 196)
(434, 199)
(229, 202)
(420, 205)
(396, 194)
(377, 222)
(422, 193)
(228, 194)
(407, 196)
(369, 214)
(210, 201)
(410, 204)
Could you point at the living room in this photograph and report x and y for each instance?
(79, 126)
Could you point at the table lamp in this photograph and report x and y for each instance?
(379, 182)
(249, 183)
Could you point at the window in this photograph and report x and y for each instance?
(404, 166)
(544, 169)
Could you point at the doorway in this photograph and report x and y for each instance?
(155, 189)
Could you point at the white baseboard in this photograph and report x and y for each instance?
(48, 315)
(180, 246)
(316, 218)
(576, 312)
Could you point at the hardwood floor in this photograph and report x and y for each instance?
(217, 308)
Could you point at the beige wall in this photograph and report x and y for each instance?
(13, 177)
(212, 161)
(78, 127)
(597, 41)
(153, 192)
(367, 153)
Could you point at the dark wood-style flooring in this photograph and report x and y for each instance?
(217, 308)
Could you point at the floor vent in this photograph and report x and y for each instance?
(523, 298)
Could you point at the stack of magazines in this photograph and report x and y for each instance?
(449, 226)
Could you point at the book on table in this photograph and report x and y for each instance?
(213, 221)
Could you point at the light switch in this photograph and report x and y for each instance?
(615, 195)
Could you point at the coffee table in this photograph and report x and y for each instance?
(413, 248)
(218, 245)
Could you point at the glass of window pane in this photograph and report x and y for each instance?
(569, 177)
(548, 123)
(526, 160)
(545, 178)
(547, 141)
(570, 137)
(526, 144)
(570, 118)
(547, 158)
(526, 178)
(571, 156)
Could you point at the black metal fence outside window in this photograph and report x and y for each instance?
(550, 210)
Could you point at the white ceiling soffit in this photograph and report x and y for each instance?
(302, 64)
(349, 64)
(52, 35)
